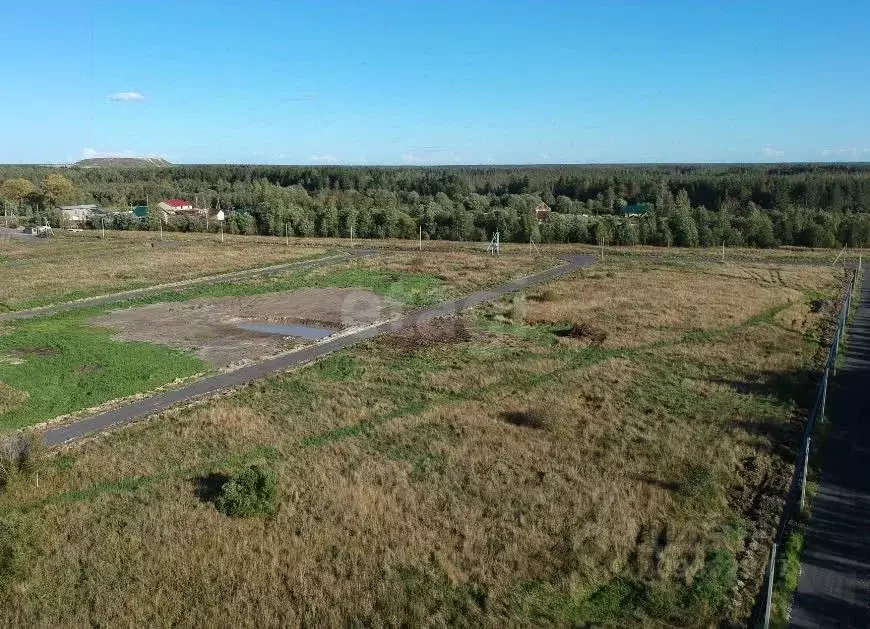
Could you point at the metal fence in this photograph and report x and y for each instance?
(796, 501)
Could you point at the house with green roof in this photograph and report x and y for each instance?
(636, 209)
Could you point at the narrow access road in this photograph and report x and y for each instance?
(112, 298)
(834, 587)
(214, 384)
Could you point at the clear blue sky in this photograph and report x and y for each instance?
(365, 82)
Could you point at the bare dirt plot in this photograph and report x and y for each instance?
(210, 326)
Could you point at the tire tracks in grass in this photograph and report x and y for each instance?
(572, 360)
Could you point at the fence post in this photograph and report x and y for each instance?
(769, 600)
(821, 415)
(805, 466)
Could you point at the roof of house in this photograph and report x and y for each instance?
(78, 208)
(177, 203)
(542, 210)
(636, 209)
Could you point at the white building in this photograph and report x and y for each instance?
(77, 213)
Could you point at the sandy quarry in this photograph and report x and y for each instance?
(209, 326)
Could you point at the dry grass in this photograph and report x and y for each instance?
(635, 305)
(407, 497)
(10, 397)
(79, 265)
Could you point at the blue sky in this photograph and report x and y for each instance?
(364, 82)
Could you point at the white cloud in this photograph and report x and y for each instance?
(769, 152)
(323, 158)
(124, 97)
(411, 158)
(845, 152)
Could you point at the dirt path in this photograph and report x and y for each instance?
(111, 298)
(214, 384)
(834, 587)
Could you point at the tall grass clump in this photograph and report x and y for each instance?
(251, 492)
(16, 546)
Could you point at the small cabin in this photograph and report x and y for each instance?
(636, 209)
(542, 211)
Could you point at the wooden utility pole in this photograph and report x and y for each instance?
(421, 234)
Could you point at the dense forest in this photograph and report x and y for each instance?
(816, 205)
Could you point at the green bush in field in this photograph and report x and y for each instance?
(251, 492)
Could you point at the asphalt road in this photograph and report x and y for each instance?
(112, 298)
(834, 587)
(214, 384)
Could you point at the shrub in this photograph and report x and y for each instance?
(546, 295)
(8, 468)
(712, 586)
(590, 334)
(31, 456)
(251, 492)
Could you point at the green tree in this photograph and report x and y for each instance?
(684, 228)
(759, 229)
(56, 188)
(17, 190)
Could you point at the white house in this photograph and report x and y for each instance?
(77, 213)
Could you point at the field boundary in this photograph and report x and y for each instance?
(220, 382)
(795, 503)
(110, 298)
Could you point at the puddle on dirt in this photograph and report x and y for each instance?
(300, 331)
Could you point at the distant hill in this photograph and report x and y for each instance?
(123, 162)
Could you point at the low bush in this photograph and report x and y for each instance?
(591, 335)
(251, 492)
(31, 456)
(546, 295)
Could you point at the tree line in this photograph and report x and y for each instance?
(816, 205)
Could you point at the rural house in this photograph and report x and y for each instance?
(175, 205)
(637, 209)
(77, 213)
(542, 211)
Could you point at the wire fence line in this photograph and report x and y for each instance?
(796, 499)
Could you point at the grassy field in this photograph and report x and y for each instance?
(611, 449)
(36, 272)
(53, 366)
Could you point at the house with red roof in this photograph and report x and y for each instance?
(175, 205)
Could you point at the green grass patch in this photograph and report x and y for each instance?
(630, 601)
(65, 366)
(412, 289)
(541, 334)
(338, 367)
(788, 573)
